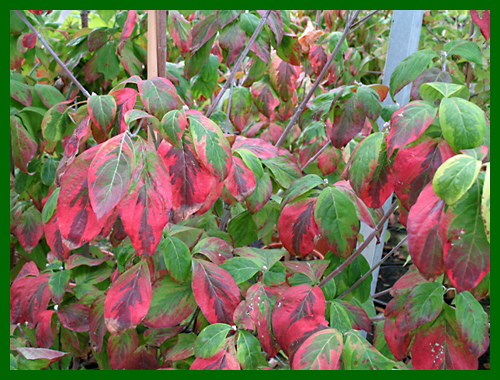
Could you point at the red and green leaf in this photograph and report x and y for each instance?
(297, 227)
(21, 92)
(212, 148)
(203, 31)
(46, 329)
(121, 347)
(359, 354)
(74, 317)
(232, 40)
(191, 182)
(241, 180)
(128, 299)
(335, 215)
(172, 127)
(97, 326)
(29, 228)
(44, 355)
(183, 349)
(215, 291)
(216, 249)
(102, 111)
(424, 304)
(180, 30)
(241, 104)
(171, 303)
(159, 96)
(283, 77)
(54, 238)
(264, 97)
(128, 28)
(409, 123)
(425, 239)
(125, 100)
(300, 330)
(321, 351)
(262, 149)
(211, 340)
(223, 360)
(24, 146)
(348, 121)
(55, 121)
(261, 195)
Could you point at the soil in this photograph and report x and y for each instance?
(394, 267)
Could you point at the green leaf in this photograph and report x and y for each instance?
(57, 284)
(289, 50)
(467, 49)
(340, 317)
(211, 340)
(54, 122)
(360, 355)
(172, 127)
(433, 91)
(251, 161)
(177, 257)
(337, 221)
(455, 176)
(485, 202)
(369, 101)
(462, 122)
(240, 268)
(283, 169)
(49, 95)
(424, 303)
(409, 69)
(50, 206)
(48, 174)
(472, 321)
(134, 115)
(248, 351)
(102, 110)
(243, 229)
(300, 187)
(107, 61)
(21, 92)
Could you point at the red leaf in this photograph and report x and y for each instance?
(259, 306)
(97, 327)
(46, 329)
(409, 123)
(24, 147)
(54, 238)
(414, 167)
(318, 58)
(143, 358)
(74, 316)
(203, 31)
(293, 304)
(145, 210)
(29, 228)
(483, 22)
(328, 160)
(125, 101)
(215, 292)
(77, 220)
(120, 348)
(191, 183)
(397, 341)
(313, 269)
(128, 299)
(262, 149)
(232, 39)
(110, 174)
(264, 97)
(29, 40)
(29, 296)
(407, 282)
(180, 31)
(31, 353)
(78, 137)
(297, 228)
(128, 28)
(300, 330)
(275, 23)
(361, 321)
(102, 111)
(348, 122)
(320, 351)
(241, 180)
(216, 249)
(222, 360)
(425, 240)
(283, 77)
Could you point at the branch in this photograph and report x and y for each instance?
(53, 54)
(302, 105)
(373, 269)
(361, 248)
(238, 63)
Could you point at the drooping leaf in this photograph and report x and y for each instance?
(409, 68)
(24, 146)
(414, 167)
(211, 146)
(211, 340)
(348, 120)
(159, 96)
(369, 172)
(455, 176)
(337, 221)
(232, 39)
(110, 173)
(361, 355)
(409, 123)
(102, 111)
(462, 122)
(144, 211)
(483, 21)
(177, 257)
(321, 351)
(128, 28)
(171, 303)
(298, 228)
(466, 249)
(472, 322)
(191, 182)
(293, 304)
(215, 291)
(467, 49)
(259, 307)
(128, 299)
(425, 241)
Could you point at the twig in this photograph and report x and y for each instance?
(53, 54)
(318, 19)
(302, 105)
(361, 248)
(238, 63)
(357, 24)
(373, 269)
(380, 293)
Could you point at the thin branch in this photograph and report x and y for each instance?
(373, 269)
(53, 54)
(380, 293)
(361, 248)
(316, 155)
(302, 105)
(318, 19)
(238, 63)
(357, 24)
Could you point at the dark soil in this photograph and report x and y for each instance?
(394, 267)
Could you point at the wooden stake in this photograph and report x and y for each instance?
(152, 44)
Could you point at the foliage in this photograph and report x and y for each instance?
(149, 233)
